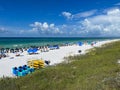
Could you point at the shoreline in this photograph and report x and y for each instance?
(54, 56)
(21, 42)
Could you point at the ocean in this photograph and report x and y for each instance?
(13, 42)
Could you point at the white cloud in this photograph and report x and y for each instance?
(45, 28)
(67, 15)
(71, 16)
(103, 25)
(52, 25)
(45, 25)
(84, 14)
(115, 12)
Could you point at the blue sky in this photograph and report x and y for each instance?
(59, 18)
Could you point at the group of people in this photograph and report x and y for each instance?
(4, 52)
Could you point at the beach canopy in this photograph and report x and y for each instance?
(32, 50)
(80, 43)
(54, 47)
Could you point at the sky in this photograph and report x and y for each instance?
(59, 18)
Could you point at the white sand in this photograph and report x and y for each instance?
(55, 57)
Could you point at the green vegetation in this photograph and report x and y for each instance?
(97, 70)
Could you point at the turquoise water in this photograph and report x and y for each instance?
(8, 42)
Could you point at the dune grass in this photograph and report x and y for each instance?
(97, 70)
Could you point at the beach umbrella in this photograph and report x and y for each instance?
(80, 43)
(51, 47)
(16, 49)
(7, 50)
(30, 50)
(56, 46)
(2, 50)
(35, 50)
(12, 50)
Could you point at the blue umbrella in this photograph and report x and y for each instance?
(35, 50)
(32, 50)
(80, 43)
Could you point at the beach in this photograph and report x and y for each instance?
(55, 56)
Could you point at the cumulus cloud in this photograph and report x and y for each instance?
(45, 28)
(105, 24)
(114, 12)
(102, 25)
(67, 15)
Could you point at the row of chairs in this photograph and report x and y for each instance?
(22, 70)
